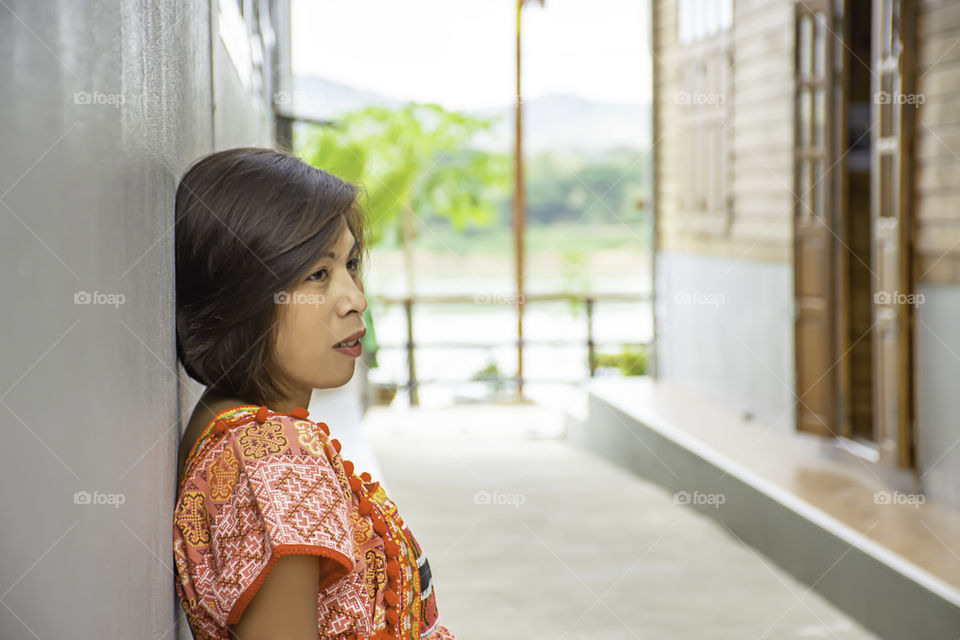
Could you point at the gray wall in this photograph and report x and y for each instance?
(725, 329)
(90, 394)
(937, 344)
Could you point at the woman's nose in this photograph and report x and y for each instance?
(353, 297)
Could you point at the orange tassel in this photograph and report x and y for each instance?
(392, 598)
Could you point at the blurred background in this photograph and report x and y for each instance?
(425, 120)
(661, 335)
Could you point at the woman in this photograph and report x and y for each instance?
(275, 535)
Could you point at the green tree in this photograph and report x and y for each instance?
(411, 161)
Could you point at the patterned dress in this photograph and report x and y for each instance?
(258, 485)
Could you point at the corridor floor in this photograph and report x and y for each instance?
(529, 537)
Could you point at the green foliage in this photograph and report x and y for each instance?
(628, 361)
(414, 157)
(597, 188)
(576, 280)
(539, 240)
(491, 374)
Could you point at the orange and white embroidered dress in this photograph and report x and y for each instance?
(259, 485)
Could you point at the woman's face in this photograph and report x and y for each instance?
(323, 310)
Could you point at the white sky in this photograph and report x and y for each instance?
(460, 53)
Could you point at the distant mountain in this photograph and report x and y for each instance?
(569, 122)
(552, 122)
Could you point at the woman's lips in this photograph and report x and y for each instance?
(354, 351)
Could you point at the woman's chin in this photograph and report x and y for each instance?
(330, 382)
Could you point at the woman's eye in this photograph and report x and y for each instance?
(315, 273)
(321, 274)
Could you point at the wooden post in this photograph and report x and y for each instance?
(591, 349)
(411, 363)
(518, 210)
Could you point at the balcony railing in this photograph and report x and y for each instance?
(411, 345)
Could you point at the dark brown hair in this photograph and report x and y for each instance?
(250, 223)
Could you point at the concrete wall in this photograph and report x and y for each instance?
(104, 105)
(726, 330)
(937, 354)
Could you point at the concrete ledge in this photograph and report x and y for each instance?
(889, 595)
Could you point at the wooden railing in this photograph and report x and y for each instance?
(411, 346)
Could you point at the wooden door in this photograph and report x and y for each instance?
(815, 330)
(894, 107)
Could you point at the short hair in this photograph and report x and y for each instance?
(250, 222)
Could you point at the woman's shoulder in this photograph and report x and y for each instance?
(204, 416)
(257, 435)
(261, 484)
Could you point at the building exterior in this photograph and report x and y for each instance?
(807, 183)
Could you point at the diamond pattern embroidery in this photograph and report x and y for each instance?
(312, 504)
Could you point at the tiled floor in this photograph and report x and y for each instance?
(529, 537)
